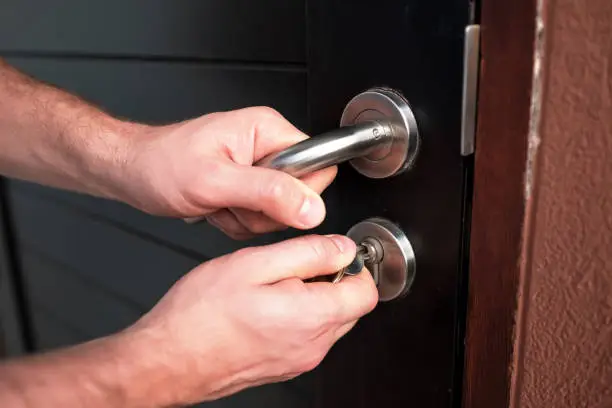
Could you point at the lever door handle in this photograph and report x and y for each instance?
(378, 135)
(331, 148)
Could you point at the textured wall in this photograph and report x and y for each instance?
(565, 322)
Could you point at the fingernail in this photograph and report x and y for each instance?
(340, 242)
(312, 212)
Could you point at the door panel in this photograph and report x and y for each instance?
(198, 29)
(50, 332)
(203, 242)
(57, 288)
(162, 91)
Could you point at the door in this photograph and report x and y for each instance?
(307, 59)
(404, 354)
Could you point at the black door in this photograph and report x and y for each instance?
(403, 354)
(91, 266)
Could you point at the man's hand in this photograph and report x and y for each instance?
(248, 318)
(190, 169)
(204, 167)
(235, 322)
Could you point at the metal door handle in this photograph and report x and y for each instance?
(331, 148)
(378, 134)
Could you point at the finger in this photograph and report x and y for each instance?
(194, 220)
(272, 132)
(303, 257)
(320, 180)
(225, 221)
(343, 329)
(229, 231)
(256, 222)
(348, 300)
(276, 194)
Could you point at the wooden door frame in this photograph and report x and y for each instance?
(508, 35)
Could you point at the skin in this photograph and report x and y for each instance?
(237, 321)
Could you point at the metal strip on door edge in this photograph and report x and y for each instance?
(471, 59)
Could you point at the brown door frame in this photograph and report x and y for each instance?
(499, 204)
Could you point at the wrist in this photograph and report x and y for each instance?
(110, 161)
(165, 370)
(138, 360)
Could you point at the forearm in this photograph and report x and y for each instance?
(103, 373)
(54, 138)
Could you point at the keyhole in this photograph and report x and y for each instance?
(373, 254)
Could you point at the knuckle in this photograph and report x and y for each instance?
(326, 315)
(372, 300)
(231, 233)
(370, 297)
(323, 248)
(243, 253)
(278, 190)
(229, 228)
(211, 175)
(260, 226)
(267, 111)
(317, 320)
(311, 361)
(254, 222)
(319, 250)
(257, 227)
(273, 189)
(259, 113)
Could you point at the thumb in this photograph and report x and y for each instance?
(303, 258)
(276, 194)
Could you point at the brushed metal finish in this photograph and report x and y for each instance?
(330, 148)
(378, 134)
(397, 266)
(383, 104)
(471, 66)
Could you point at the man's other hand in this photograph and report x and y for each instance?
(249, 318)
(204, 167)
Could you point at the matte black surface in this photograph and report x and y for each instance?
(14, 325)
(118, 261)
(50, 332)
(161, 92)
(81, 302)
(402, 355)
(271, 30)
(200, 241)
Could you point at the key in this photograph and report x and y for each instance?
(364, 254)
(354, 267)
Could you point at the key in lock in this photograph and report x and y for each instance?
(369, 254)
(384, 249)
